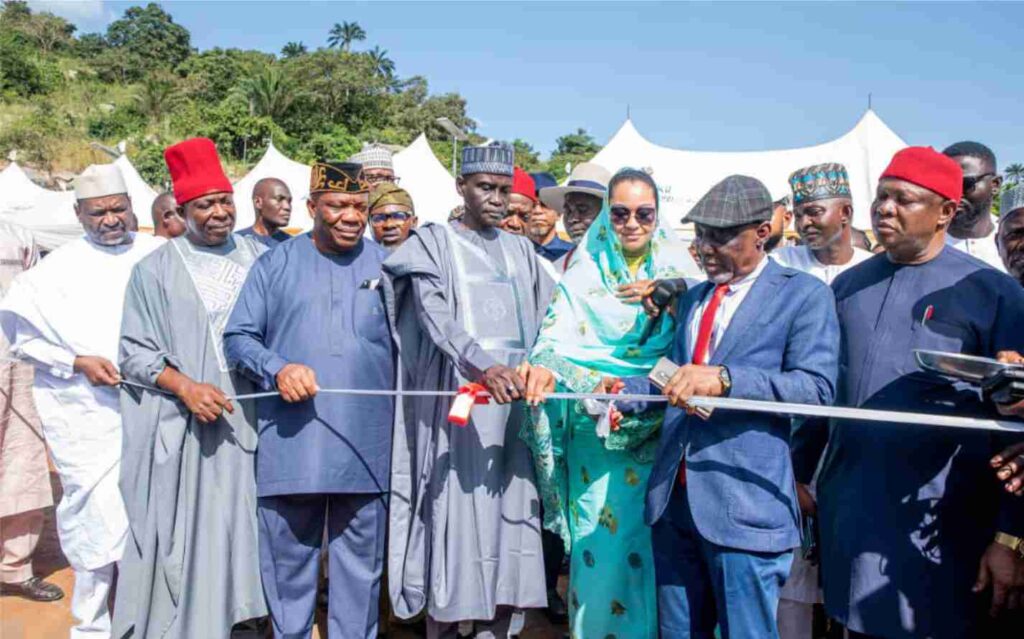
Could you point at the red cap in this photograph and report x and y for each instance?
(195, 169)
(924, 166)
(523, 184)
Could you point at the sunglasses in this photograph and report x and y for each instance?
(377, 179)
(381, 218)
(972, 181)
(645, 215)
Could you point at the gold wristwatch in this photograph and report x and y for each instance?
(1016, 544)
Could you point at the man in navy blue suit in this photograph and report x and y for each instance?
(721, 497)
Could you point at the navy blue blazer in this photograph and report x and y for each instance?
(781, 345)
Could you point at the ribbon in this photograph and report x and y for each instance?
(469, 395)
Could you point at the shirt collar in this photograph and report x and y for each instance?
(749, 279)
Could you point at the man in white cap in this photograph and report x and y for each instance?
(376, 162)
(580, 200)
(64, 316)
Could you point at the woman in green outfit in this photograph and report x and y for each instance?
(592, 482)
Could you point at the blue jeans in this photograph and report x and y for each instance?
(701, 584)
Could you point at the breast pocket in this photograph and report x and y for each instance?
(369, 319)
(938, 335)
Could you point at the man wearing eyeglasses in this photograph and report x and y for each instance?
(392, 215)
(376, 162)
(973, 230)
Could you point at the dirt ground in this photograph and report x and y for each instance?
(23, 619)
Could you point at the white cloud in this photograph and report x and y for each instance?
(85, 14)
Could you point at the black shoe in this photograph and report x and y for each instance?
(34, 589)
(556, 610)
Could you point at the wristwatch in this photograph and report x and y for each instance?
(726, 379)
(1016, 544)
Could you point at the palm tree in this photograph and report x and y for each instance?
(381, 62)
(267, 92)
(1015, 173)
(293, 50)
(344, 35)
(157, 98)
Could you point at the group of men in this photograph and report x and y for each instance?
(220, 409)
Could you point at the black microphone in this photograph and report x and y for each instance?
(664, 292)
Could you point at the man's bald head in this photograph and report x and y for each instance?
(167, 220)
(272, 201)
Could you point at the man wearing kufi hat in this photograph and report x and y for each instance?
(392, 215)
(64, 316)
(520, 203)
(467, 300)
(916, 537)
(189, 569)
(721, 497)
(377, 164)
(309, 316)
(823, 214)
(1011, 232)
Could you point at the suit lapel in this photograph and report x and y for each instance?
(753, 307)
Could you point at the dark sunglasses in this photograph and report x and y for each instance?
(972, 181)
(381, 218)
(377, 179)
(645, 215)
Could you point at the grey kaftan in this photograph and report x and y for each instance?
(190, 566)
(464, 530)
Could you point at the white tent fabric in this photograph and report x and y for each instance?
(430, 185)
(683, 177)
(50, 215)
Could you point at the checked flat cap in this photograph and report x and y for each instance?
(736, 200)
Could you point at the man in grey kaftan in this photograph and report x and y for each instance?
(190, 566)
(466, 300)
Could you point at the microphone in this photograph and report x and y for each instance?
(664, 292)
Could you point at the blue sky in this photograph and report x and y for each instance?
(705, 76)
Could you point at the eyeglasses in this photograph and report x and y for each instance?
(382, 218)
(645, 215)
(377, 179)
(972, 181)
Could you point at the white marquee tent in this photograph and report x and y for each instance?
(685, 176)
(50, 215)
(431, 186)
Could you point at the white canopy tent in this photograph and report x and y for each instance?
(50, 215)
(431, 186)
(683, 177)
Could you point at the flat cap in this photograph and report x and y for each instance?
(736, 200)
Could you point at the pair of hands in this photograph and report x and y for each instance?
(689, 381)
(1009, 464)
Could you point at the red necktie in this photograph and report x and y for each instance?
(700, 349)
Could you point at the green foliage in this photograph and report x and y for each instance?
(148, 158)
(526, 157)
(37, 136)
(344, 34)
(337, 143)
(1014, 173)
(267, 93)
(118, 123)
(293, 50)
(572, 149)
(150, 38)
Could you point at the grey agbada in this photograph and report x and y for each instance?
(464, 530)
(190, 566)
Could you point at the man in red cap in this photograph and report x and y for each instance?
(916, 537)
(190, 566)
(520, 203)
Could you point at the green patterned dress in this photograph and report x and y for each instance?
(593, 487)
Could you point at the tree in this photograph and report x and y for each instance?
(384, 65)
(526, 157)
(293, 50)
(156, 99)
(15, 13)
(344, 35)
(1015, 173)
(267, 93)
(150, 34)
(211, 75)
(573, 149)
(48, 31)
